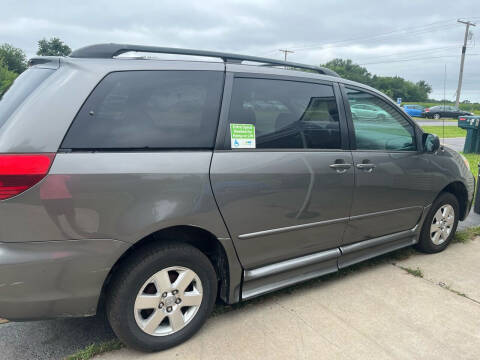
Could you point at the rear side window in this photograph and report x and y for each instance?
(149, 110)
(284, 115)
(20, 89)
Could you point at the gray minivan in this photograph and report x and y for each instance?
(152, 188)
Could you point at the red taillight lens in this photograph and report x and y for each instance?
(426, 110)
(462, 119)
(19, 172)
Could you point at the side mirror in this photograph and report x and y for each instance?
(431, 143)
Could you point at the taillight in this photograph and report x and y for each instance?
(19, 172)
(462, 119)
(426, 110)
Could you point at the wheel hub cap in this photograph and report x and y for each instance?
(168, 301)
(442, 224)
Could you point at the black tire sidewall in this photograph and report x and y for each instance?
(426, 243)
(121, 314)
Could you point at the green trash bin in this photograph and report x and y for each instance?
(472, 125)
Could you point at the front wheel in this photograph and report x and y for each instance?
(440, 224)
(161, 296)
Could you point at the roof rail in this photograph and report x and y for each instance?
(108, 51)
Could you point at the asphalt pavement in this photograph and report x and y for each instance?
(455, 143)
(52, 339)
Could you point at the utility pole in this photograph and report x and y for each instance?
(464, 49)
(285, 52)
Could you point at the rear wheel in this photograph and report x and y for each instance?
(436, 116)
(161, 296)
(440, 225)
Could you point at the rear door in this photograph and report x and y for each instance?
(391, 185)
(282, 174)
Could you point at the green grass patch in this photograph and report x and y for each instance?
(473, 160)
(415, 272)
(467, 235)
(96, 349)
(450, 131)
(459, 293)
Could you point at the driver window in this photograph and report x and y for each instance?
(285, 114)
(378, 126)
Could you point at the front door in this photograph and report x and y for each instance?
(284, 178)
(391, 183)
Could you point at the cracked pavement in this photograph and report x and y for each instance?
(374, 312)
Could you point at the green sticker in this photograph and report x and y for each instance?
(242, 136)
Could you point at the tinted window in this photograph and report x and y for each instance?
(149, 109)
(286, 114)
(379, 126)
(22, 87)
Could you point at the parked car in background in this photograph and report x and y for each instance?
(413, 110)
(156, 187)
(439, 111)
(367, 111)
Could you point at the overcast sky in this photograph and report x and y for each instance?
(412, 39)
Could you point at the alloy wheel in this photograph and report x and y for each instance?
(442, 224)
(168, 301)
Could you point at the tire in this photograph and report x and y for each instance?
(135, 282)
(436, 116)
(427, 243)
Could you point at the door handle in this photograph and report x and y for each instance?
(368, 167)
(340, 167)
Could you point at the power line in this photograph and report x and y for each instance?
(396, 33)
(423, 51)
(415, 59)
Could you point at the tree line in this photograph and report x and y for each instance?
(13, 61)
(393, 86)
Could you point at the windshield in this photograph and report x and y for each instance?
(20, 89)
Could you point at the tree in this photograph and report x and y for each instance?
(425, 88)
(394, 87)
(12, 58)
(53, 47)
(6, 78)
(348, 70)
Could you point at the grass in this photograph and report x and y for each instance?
(473, 160)
(415, 272)
(466, 235)
(450, 131)
(454, 291)
(96, 349)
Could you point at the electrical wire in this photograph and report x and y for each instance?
(396, 34)
(415, 59)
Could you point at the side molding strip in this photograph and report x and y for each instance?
(291, 228)
(275, 276)
(319, 223)
(290, 264)
(348, 249)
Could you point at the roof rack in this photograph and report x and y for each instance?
(108, 51)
